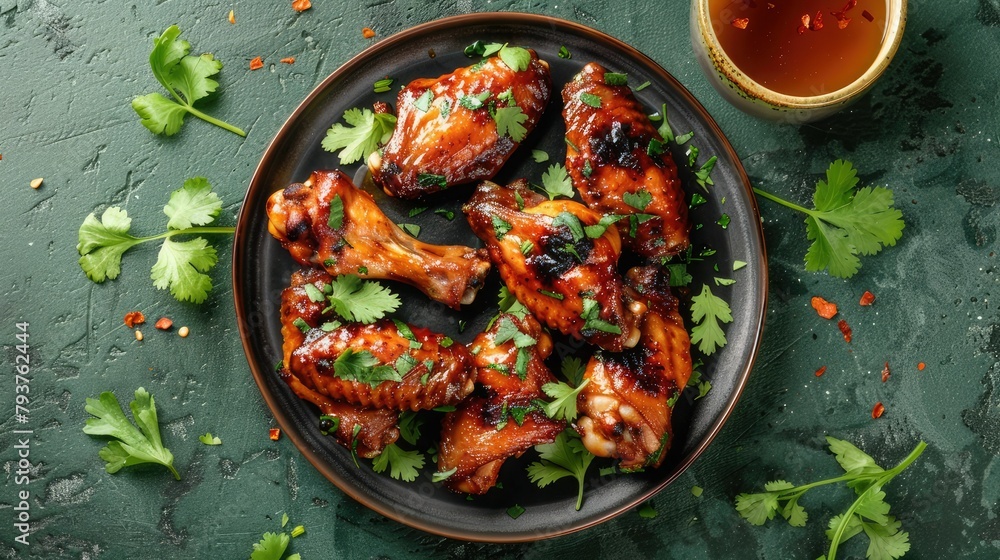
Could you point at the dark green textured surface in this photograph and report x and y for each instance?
(928, 130)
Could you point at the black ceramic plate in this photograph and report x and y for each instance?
(261, 269)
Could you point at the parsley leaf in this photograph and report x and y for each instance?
(556, 182)
(509, 122)
(566, 456)
(132, 445)
(180, 266)
(403, 465)
(869, 513)
(707, 311)
(846, 223)
(363, 367)
(186, 77)
(359, 300)
(365, 133)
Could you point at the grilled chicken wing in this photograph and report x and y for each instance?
(364, 238)
(378, 425)
(358, 363)
(613, 151)
(566, 278)
(446, 133)
(498, 420)
(624, 410)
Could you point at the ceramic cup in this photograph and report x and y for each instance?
(755, 99)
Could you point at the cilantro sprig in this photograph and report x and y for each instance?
(564, 394)
(403, 465)
(181, 266)
(364, 133)
(845, 224)
(187, 78)
(869, 513)
(564, 457)
(134, 444)
(708, 311)
(556, 182)
(364, 301)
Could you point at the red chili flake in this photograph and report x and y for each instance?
(824, 308)
(368, 33)
(274, 434)
(817, 22)
(740, 22)
(921, 366)
(865, 14)
(301, 5)
(803, 29)
(257, 63)
(381, 107)
(821, 371)
(879, 410)
(846, 329)
(867, 299)
(164, 323)
(288, 60)
(133, 318)
(885, 373)
(806, 19)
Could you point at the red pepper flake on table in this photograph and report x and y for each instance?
(232, 17)
(845, 329)
(274, 434)
(133, 318)
(878, 411)
(257, 63)
(867, 299)
(824, 308)
(368, 33)
(921, 366)
(885, 373)
(288, 60)
(301, 5)
(821, 371)
(164, 324)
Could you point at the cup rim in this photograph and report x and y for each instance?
(895, 25)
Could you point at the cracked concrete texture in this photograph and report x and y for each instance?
(68, 71)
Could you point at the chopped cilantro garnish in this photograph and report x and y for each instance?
(510, 121)
(556, 182)
(704, 174)
(424, 101)
(684, 138)
(417, 210)
(403, 465)
(515, 511)
(301, 324)
(638, 200)
(412, 229)
(615, 79)
(564, 53)
(500, 227)
(550, 294)
(526, 247)
(446, 214)
(723, 221)
(336, 218)
(707, 312)
(383, 85)
(473, 102)
(738, 265)
(431, 180)
(363, 367)
(366, 131)
(642, 86)
(539, 156)
(593, 321)
(590, 99)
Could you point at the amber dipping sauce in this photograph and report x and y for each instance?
(800, 47)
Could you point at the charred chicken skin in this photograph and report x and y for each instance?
(613, 152)
(378, 425)
(348, 362)
(624, 410)
(563, 273)
(499, 419)
(362, 237)
(446, 133)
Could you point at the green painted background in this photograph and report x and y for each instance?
(929, 129)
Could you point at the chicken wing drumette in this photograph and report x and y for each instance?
(558, 261)
(455, 129)
(357, 235)
(625, 409)
(499, 420)
(378, 425)
(620, 164)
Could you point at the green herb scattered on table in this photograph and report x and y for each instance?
(869, 513)
(180, 266)
(132, 445)
(845, 224)
(209, 439)
(186, 77)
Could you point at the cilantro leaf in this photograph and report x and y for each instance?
(570, 222)
(359, 300)
(403, 465)
(187, 78)
(566, 456)
(208, 439)
(410, 424)
(592, 319)
(601, 226)
(845, 223)
(757, 508)
(509, 304)
(510, 122)
(563, 405)
(707, 311)
(363, 367)
(134, 444)
(573, 368)
(639, 200)
(272, 546)
(194, 204)
(517, 59)
(556, 182)
(507, 331)
(181, 267)
(102, 243)
(850, 457)
(540, 156)
(365, 133)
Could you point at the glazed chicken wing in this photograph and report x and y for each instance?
(624, 410)
(384, 365)
(456, 128)
(499, 419)
(620, 164)
(563, 271)
(378, 425)
(359, 236)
